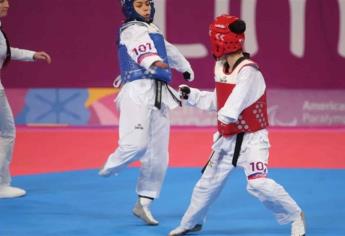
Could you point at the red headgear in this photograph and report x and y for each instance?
(226, 35)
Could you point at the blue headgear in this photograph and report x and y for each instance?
(130, 13)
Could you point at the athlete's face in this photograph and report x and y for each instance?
(143, 8)
(4, 5)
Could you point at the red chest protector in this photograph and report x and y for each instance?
(254, 117)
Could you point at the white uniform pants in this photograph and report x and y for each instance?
(7, 137)
(253, 159)
(143, 135)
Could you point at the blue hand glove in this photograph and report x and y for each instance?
(160, 74)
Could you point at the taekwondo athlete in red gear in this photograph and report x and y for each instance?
(7, 125)
(242, 138)
(144, 102)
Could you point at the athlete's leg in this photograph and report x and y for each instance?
(254, 161)
(7, 138)
(155, 161)
(133, 136)
(153, 165)
(206, 191)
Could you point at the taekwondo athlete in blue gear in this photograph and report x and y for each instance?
(144, 102)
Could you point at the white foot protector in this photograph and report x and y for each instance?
(144, 213)
(298, 226)
(11, 192)
(179, 231)
(106, 172)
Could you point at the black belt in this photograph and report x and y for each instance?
(158, 99)
(239, 140)
(208, 162)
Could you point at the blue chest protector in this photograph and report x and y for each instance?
(131, 70)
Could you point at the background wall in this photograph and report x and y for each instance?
(298, 43)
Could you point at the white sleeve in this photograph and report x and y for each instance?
(22, 54)
(176, 59)
(140, 46)
(203, 100)
(250, 87)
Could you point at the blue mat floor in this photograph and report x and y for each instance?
(84, 204)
